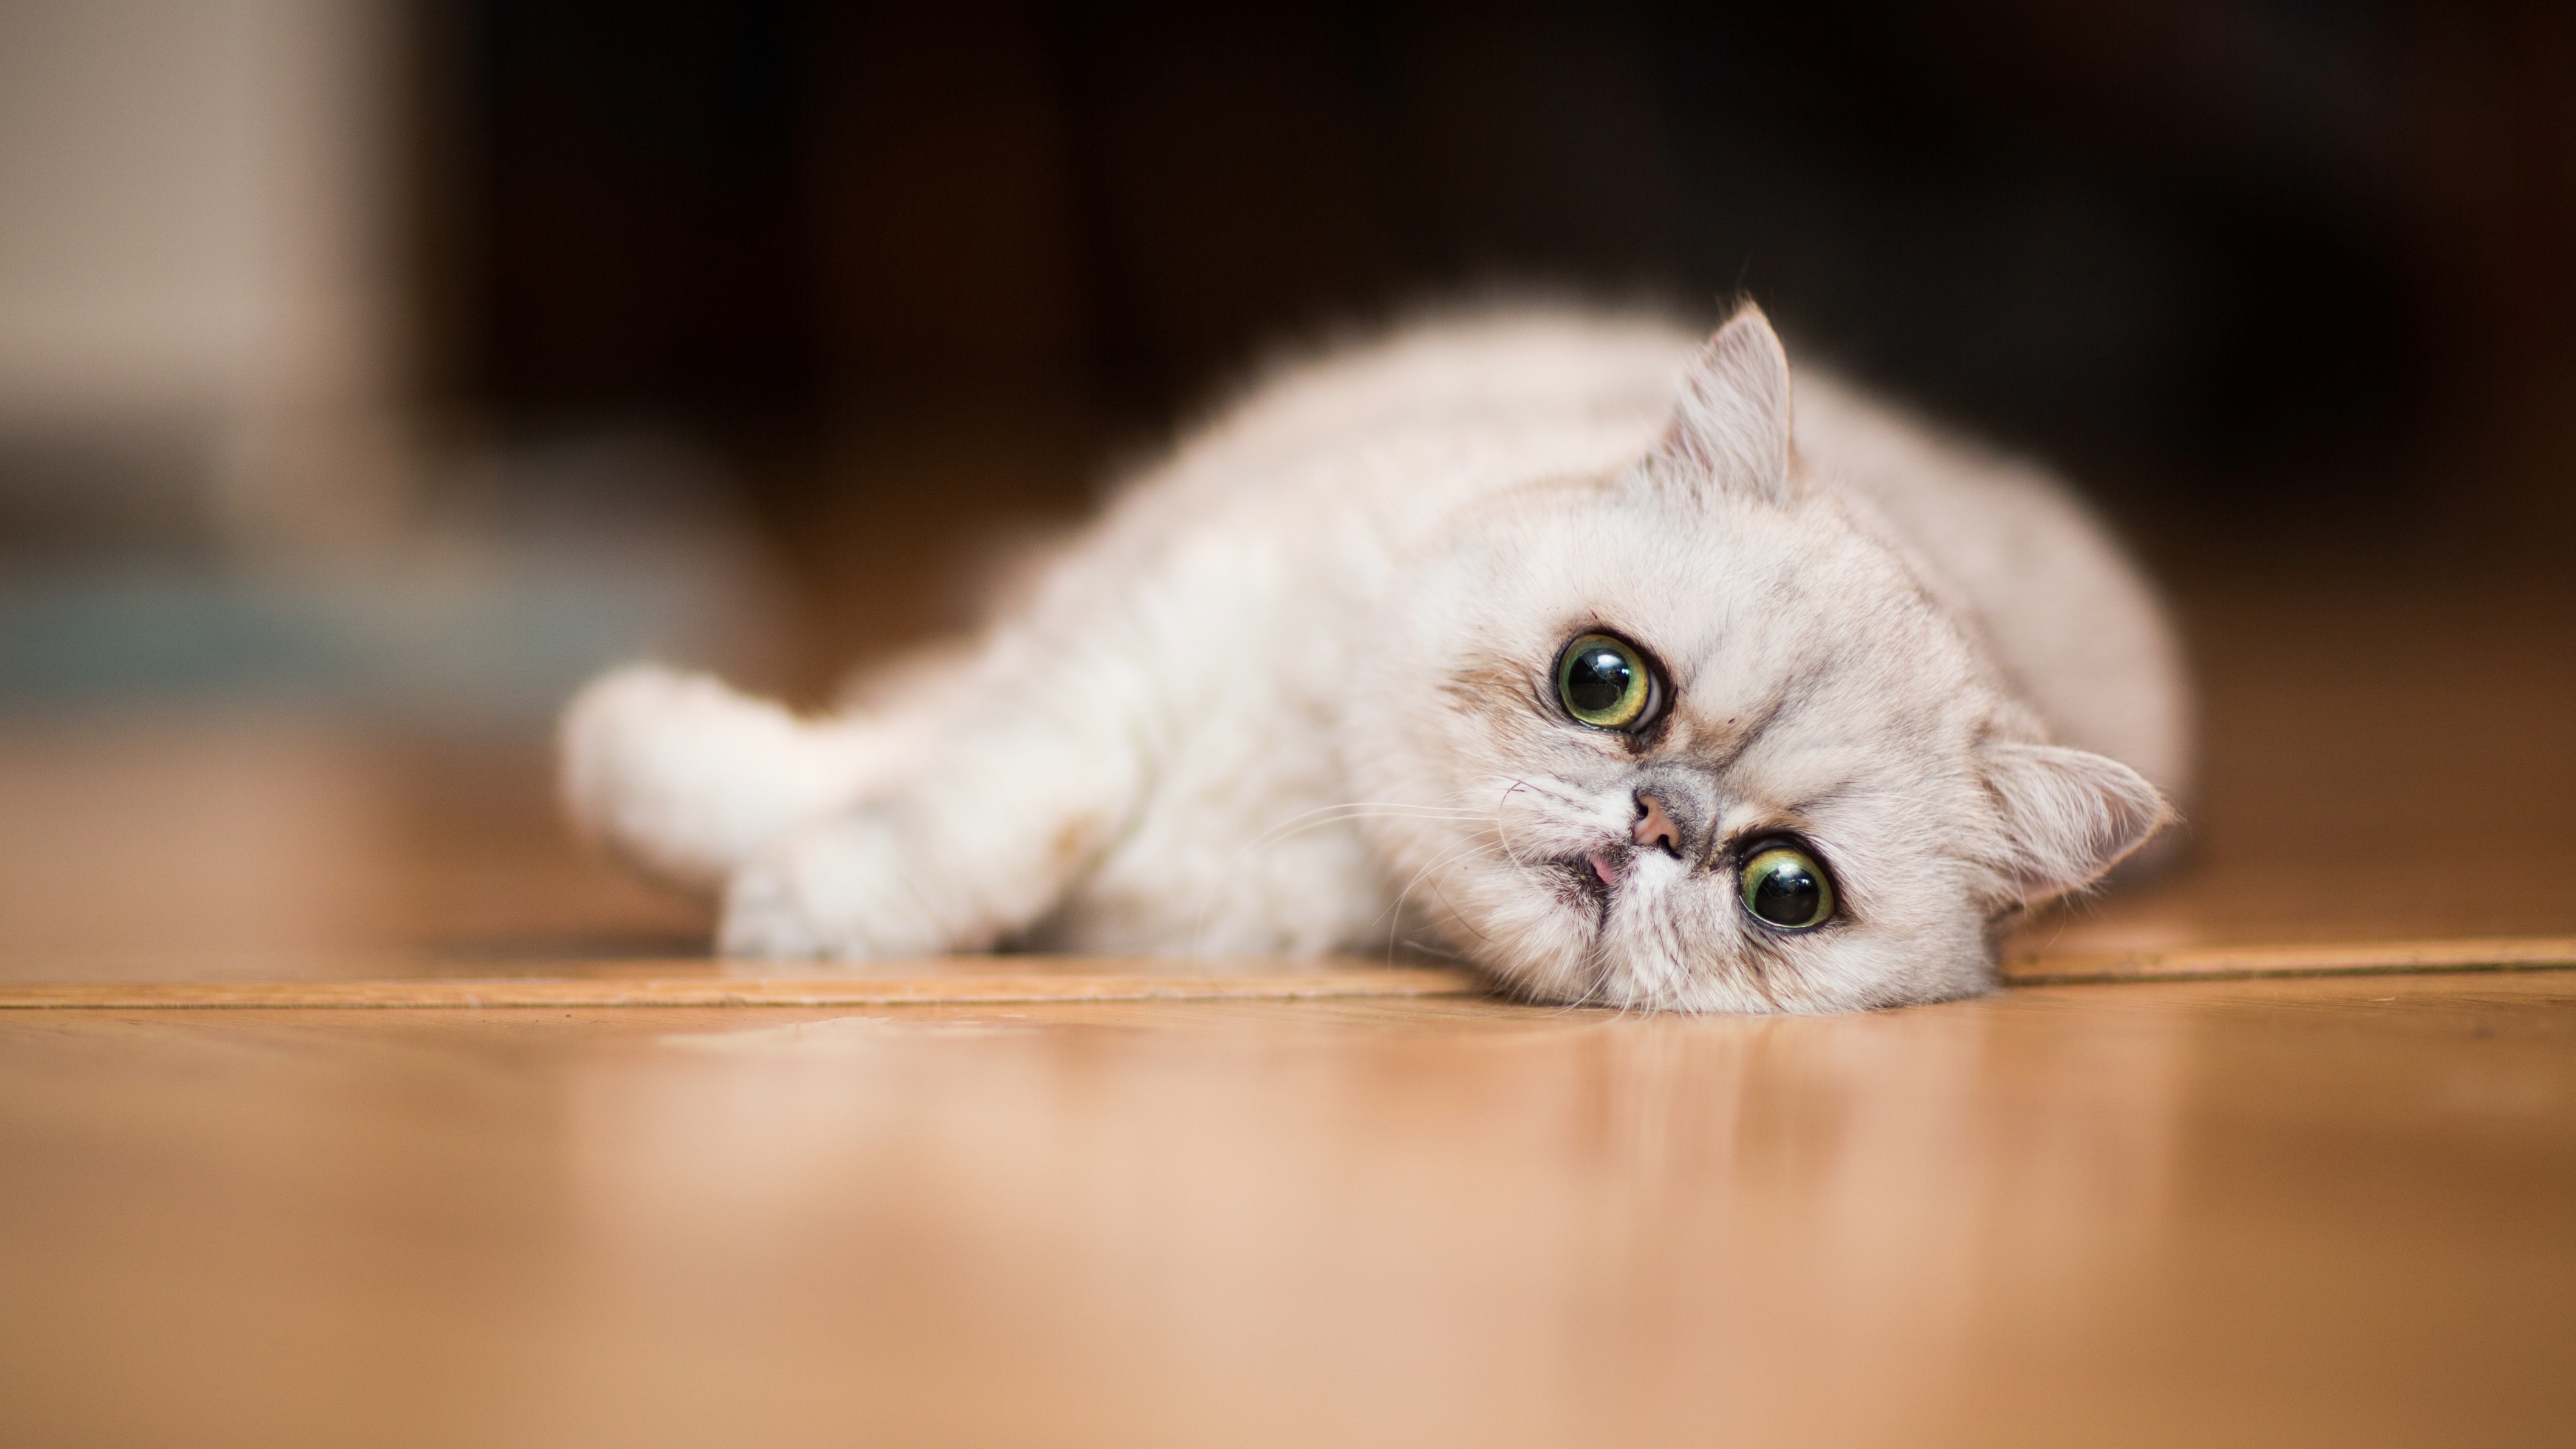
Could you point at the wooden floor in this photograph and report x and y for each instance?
(2279, 1148)
(2331, 1212)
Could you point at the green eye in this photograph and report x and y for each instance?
(1603, 682)
(1783, 886)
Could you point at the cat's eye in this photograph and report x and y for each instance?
(1783, 886)
(1604, 682)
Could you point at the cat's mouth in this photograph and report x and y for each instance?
(1595, 876)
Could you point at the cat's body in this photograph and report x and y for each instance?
(1304, 689)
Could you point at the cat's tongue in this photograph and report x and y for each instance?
(1608, 866)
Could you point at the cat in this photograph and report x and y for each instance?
(1543, 639)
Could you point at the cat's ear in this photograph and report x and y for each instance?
(2068, 815)
(1730, 426)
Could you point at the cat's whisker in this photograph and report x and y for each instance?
(1395, 912)
(1558, 797)
(1457, 915)
(1317, 818)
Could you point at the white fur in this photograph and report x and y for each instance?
(1294, 693)
(689, 778)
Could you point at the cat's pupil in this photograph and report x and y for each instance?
(1598, 681)
(1786, 892)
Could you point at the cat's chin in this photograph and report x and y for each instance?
(1606, 903)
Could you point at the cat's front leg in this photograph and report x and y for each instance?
(846, 888)
(980, 840)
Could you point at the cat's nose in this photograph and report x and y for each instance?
(1655, 826)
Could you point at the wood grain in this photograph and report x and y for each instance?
(2352, 958)
(691, 982)
(962, 980)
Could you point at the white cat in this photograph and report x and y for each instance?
(1530, 638)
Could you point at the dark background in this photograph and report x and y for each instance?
(2283, 285)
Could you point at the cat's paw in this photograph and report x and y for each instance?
(836, 891)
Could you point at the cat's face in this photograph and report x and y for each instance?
(1692, 737)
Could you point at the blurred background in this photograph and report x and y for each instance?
(372, 371)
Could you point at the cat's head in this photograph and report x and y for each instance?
(1693, 735)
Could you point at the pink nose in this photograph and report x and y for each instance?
(1654, 827)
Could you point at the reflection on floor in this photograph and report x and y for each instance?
(2327, 1212)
